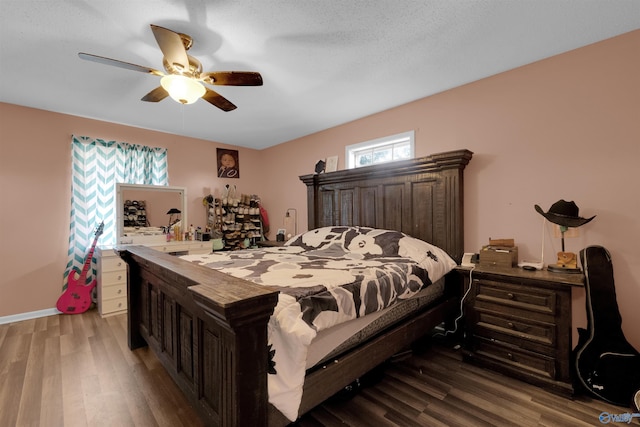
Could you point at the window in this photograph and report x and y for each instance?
(381, 150)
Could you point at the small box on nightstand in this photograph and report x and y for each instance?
(499, 256)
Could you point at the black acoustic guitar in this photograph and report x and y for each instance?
(606, 365)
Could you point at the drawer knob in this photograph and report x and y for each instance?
(510, 324)
(119, 291)
(120, 277)
(510, 356)
(119, 304)
(119, 264)
(510, 295)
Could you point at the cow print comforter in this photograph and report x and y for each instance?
(325, 277)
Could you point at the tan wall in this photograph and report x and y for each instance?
(35, 191)
(566, 127)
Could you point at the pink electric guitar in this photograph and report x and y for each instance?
(77, 297)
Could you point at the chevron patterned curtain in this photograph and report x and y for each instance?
(96, 167)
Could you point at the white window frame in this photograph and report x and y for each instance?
(351, 150)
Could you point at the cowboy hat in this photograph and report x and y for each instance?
(564, 213)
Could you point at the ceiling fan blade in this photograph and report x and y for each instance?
(232, 78)
(120, 64)
(171, 46)
(218, 100)
(156, 95)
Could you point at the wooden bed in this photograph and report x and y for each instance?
(209, 329)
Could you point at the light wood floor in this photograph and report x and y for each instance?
(76, 370)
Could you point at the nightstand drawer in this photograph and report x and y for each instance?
(515, 329)
(520, 360)
(200, 248)
(519, 297)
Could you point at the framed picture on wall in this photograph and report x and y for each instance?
(228, 163)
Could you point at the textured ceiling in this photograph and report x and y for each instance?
(324, 63)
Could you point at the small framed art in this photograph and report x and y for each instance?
(332, 164)
(228, 163)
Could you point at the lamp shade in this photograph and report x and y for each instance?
(173, 211)
(183, 89)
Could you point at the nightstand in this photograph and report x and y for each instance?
(518, 322)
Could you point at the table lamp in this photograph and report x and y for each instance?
(171, 213)
(566, 215)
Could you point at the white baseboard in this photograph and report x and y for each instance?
(27, 316)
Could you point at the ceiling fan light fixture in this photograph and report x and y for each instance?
(183, 89)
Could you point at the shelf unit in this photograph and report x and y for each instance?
(237, 220)
(135, 213)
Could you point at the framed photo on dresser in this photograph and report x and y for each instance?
(332, 164)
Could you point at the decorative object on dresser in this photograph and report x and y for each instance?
(518, 322)
(77, 296)
(320, 166)
(564, 214)
(209, 329)
(607, 365)
(171, 212)
(332, 164)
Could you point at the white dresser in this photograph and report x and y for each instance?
(112, 272)
(112, 282)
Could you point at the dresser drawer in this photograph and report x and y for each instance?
(513, 358)
(531, 299)
(177, 248)
(112, 264)
(114, 291)
(114, 277)
(523, 332)
(200, 248)
(113, 305)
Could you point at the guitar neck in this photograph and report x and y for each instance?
(87, 262)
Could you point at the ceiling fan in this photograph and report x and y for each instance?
(184, 77)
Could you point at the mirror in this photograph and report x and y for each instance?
(146, 211)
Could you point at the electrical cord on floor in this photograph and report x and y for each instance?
(455, 322)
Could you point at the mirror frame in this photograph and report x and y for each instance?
(120, 188)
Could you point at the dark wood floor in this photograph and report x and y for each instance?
(77, 371)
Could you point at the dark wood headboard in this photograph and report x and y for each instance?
(420, 197)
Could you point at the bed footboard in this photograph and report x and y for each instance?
(209, 331)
